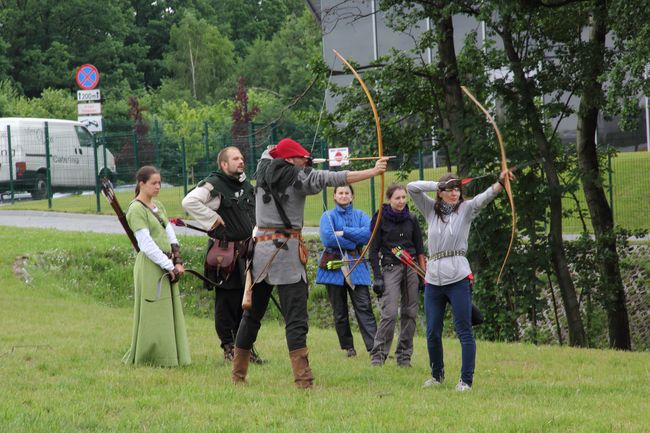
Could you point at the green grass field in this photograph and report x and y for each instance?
(60, 352)
(631, 196)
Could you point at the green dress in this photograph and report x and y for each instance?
(159, 333)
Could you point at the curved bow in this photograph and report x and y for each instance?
(380, 149)
(506, 180)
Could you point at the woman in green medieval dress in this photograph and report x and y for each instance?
(159, 333)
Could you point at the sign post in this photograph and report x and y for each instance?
(89, 107)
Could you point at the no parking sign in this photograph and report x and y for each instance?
(87, 77)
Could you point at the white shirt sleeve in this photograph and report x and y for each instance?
(171, 234)
(151, 250)
(202, 207)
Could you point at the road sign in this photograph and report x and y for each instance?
(89, 95)
(89, 108)
(93, 123)
(87, 77)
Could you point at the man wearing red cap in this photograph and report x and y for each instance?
(284, 180)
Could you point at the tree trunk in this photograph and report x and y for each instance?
(601, 214)
(577, 335)
(451, 87)
(192, 70)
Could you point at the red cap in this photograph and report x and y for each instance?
(288, 148)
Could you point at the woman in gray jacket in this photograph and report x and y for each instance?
(449, 217)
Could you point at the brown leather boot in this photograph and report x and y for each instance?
(301, 372)
(240, 365)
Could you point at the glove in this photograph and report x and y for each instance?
(378, 287)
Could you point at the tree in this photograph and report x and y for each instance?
(523, 61)
(153, 22)
(415, 96)
(284, 60)
(201, 58)
(48, 40)
(577, 66)
(245, 21)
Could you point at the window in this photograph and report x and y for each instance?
(85, 137)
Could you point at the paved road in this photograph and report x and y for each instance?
(81, 222)
(105, 223)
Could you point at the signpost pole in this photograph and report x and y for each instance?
(48, 176)
(97, 200)
(11, 164)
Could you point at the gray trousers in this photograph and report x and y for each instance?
(398, 281)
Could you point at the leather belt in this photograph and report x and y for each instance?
(449, 253)
(278, 234)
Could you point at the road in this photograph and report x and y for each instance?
(81, 222)
(74, 222)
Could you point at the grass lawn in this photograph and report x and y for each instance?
(60, 371)
(631, 194)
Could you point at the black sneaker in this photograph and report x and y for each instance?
(351, 352)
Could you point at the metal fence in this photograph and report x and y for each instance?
(52, 158)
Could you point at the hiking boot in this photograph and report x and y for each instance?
(351, 352)
(228, 352)
(405, 363)
(462, 386)
(376, 362)
(432, 381)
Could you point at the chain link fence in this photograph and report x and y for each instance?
(43, 160)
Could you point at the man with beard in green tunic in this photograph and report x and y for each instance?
(223, 205)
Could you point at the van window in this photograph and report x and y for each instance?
(85, 137)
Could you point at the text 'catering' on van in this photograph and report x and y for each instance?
(72, 156)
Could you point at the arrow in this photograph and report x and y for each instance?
(362, 158)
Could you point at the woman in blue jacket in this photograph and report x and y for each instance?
(343, 231)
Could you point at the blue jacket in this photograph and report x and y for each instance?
(356, 232)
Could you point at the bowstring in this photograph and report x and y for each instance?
(311, 151)
(322, 108)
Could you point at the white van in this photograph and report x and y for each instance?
(72, 159)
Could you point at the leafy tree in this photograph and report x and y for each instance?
(5, 61)
(153, 23)
(8, 96)
(416, 97)
(246, 21)
(201, 57)
(284, 60)
(48, 40)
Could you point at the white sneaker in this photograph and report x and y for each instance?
(462, 386)
(432, 381)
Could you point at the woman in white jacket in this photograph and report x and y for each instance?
(449, 217)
